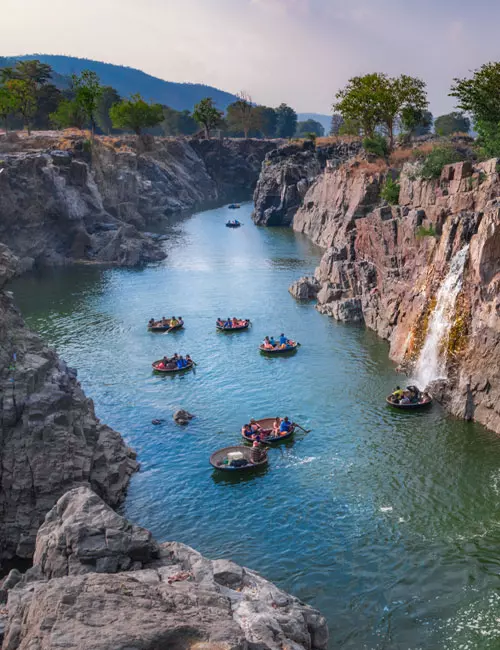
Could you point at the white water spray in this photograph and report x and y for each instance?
(431, 363)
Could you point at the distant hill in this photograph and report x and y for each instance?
(324, 120)
(127, 81)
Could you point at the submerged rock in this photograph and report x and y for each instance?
(182, 417)
(176, 599)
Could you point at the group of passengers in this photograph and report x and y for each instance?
(231, 323)
(254, 431)
(410, 395)
(177, 361)
(165, 322)
(270, 343)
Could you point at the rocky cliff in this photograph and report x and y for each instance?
(384, 266)
(59, 203)
(50, 437)
(102, 583)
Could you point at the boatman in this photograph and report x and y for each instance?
(283, 340)
(285, 426)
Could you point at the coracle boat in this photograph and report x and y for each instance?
(156, 367)
(234, 206)
(232, 459)
(292, 345)
(233, 224)
(244, 325)
(267, 430)
(166, 328)
(425, 400)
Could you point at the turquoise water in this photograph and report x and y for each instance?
(386, 521)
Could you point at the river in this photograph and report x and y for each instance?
(385, 521)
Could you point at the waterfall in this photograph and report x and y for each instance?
(431, 363)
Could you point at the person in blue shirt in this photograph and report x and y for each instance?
(283, 339)
(228, 323)
(285, 425)
(181, 363)
(272, 341)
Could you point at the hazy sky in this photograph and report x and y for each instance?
(296, 51)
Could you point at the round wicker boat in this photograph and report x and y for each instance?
(426, 401)
(166, 328)
(218, 457)
(170, 371)
(238, 328)
(292, 345)
(230, 224)
(267, 425)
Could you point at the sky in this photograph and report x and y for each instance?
(300, 52)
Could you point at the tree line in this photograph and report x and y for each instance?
(29, 99)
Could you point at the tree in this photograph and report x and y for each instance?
(207, 115)
(266, 120)
(178, 122)
(350, 127)
(108, 98)
(286, 121)
(310, 126)
(87, 89)
(135, 114)
(479, 95)
(24, 100)
(378, 100)
(33, 72)
(415, 121)
(337, 122)
(7, 106)
(241, 114)
(450, 123)
(68, 114)
(48, 98)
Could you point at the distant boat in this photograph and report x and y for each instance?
(234, 206)
(233, 224)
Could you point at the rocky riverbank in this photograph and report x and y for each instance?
(59, 203)
(100, 582)
(384, 265)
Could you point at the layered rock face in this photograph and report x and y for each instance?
(383, 266)
(102, 583)
(50, 438)
(60, 204)
(287, 174)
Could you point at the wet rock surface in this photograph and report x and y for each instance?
(305, 288)
(175, 599)
(182, 417)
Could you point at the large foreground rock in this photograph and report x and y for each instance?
(50, 437)
(178, 599)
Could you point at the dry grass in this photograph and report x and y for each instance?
(399, 156)
(335, 139)
(378, 166)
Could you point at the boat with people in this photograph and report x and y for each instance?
(239, 458)
(232, 324)
(177, 363)
(165, 324)
(234, 206)
(283, 344)
(268, 430)
(233, 224)
(408, 399)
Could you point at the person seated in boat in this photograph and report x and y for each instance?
(255, 426)
(235, 322)
(398, 393)
(246, 430)
(285, 426)
(228, 323)
(257, 454)
(267, 343)
(173, 322)
(276, 427)
(283, 341)
(151, 322)
(181, 362)
(272, 342)
(189, 361)
(163, 322)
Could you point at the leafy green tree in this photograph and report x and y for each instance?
(350, 127)
(135, 114)
(48, 98)
(33, 72)
(479, 95)
(178, 122)
(286, 121)
(24, 100)
(416, 121)
(241, 114)
(337, 122)
(437, 159)
(88, 90)
(378, 100)
(7, 106)
(377, 144)
(108, 98)
(266, 120)
(207, 115)
(68, 114)
(309, 126)
(454, 122)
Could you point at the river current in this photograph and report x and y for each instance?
(386, 521)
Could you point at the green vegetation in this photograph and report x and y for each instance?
(377, 144)
(377, 100)
(108, 98)
(390, 191)
(435, 161)
(207, 115)
(135, 114)
(68, 114)
(286, 121)
(304, 129)
(451, 123)
(88, 91)
(426, 232)
(241, 115)
(415, 121)
(178, 122)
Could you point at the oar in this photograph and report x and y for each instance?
(304, 430)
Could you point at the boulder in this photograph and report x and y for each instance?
(305, 288)
(182, 417)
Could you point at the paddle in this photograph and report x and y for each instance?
(304, 430)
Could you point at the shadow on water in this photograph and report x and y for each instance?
(386, 521)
